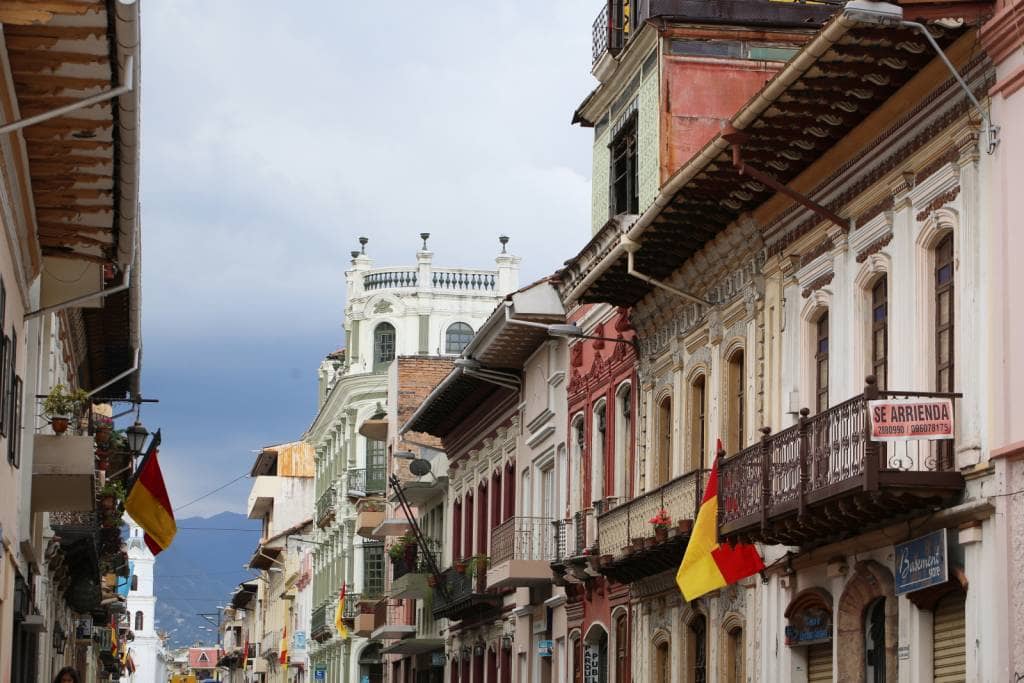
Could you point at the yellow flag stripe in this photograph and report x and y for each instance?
(151, 515)
(699, 573)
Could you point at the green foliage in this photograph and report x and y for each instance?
(62, 403)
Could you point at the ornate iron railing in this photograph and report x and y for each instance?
(522, 538)
(320, 626)
(413, 560)
(326, 506)
(351, 608)
(367, 481)
(821, 454)
(680, 498)
(461, 590)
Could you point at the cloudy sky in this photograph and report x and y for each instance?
(276, 133)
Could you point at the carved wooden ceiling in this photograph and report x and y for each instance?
(848, 82)
(61, 52)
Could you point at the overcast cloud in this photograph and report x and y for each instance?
(275, 134)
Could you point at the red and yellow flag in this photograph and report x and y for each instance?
(707, 564)
(339, 625)
(284, 645)
(148, 504)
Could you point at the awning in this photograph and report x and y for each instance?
(415, 646)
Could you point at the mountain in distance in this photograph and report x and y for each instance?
(201, 570)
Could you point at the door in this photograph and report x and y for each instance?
(819, 663)
(949, 643)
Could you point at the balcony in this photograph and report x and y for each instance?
(364, 621)
(459, 596)
(446, 279)
(326, 507)
(320, 628)
(391, 618)
(367, 481)
(823, 480)
(628, 547)
(369, 516)
(351, 609)
(261, 496)
(571, 537)
(410, 572)
(63, 473)
(522, 549)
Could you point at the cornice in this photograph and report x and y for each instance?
(1002, 35)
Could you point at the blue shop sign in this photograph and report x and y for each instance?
(544, 647)
(922, 562)
(320, 674)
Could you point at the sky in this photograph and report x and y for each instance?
(275, 134)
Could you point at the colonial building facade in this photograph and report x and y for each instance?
(421, 310)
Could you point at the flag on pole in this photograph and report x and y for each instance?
(708, 564)
(284, 645)
(148, 504)
(339, 625)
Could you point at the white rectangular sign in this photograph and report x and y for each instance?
(901, 419)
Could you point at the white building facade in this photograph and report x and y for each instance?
(389, 312)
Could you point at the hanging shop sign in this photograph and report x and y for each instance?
(922, 562)
(809, 626)
(544, 647)
(320, 674)
(902, 419)
(299, 642)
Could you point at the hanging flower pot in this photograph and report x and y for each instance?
(102, 462)
(102, 435)
(660, 534)
(685, 525)
(59, 424)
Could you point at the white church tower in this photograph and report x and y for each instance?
(146, 649)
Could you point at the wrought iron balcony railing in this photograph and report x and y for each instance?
(823, 458)
(351, 608)
(572, 537)
(680, 498)
(523, 538)
(367, 481)
(320, 627)
(463, 595)
(412, 560)
(326, 506)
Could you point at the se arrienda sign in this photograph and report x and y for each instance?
(898, 419)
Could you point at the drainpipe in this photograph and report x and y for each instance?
(126, 86)
(126, 282)
(133, 368)
(631, 247)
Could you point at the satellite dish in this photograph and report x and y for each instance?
(419, 467)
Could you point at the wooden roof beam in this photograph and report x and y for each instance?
(30, 12)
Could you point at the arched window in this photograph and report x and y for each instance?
(880, 331)
(821, 363)
(597, 457)
(595, 654)
(736, 385)
(623, 455)
(662, 663)
(383, 345)
(696, 670)
(457, 337)
(944, 314)
(734, 669)
(138, 620)
(576, 465)
(698, 423)
(621, 649)
(874, 641)
(663, 466)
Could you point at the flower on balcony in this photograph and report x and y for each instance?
(661, 521)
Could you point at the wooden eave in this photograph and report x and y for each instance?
(61, 52)
(833, 95)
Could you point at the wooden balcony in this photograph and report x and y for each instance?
(458, 596)
(522, 549)
(627, 543)
(823, 480)
(392, 621)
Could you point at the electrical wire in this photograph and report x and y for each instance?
(207, 495)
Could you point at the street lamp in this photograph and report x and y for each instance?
(136, 437)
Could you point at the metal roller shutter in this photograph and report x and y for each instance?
(949, 643)
(819, 663)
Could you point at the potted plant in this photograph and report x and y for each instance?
(459, 566)
(103, 427)
(397, 550)
(661, 522)
(111, 495)
(476, 567)
(60, 406)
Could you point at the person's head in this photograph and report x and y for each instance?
(67, 675)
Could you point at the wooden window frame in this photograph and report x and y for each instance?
(944, 266)
(821, 335)
(880, 330)
(624, 179)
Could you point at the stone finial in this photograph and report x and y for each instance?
(354, 253)
(504, 241)
(424, 236)
(362, 242)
